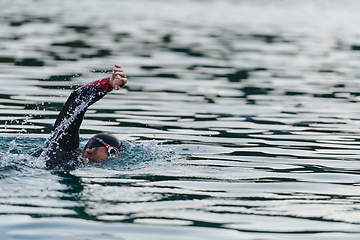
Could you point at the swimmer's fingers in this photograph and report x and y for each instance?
(117, 68)
(118, 78)
(119, 83)
(120, 74)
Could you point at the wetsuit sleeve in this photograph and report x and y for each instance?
(65, 136)
(72, 114)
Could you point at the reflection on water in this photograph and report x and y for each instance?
(243, 118)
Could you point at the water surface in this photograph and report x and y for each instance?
(242, 116)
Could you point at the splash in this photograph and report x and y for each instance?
(19, 161)
(14, 153)
(12, 164)
(61, 130)
(12, 145)
(139, 155)
(14, 156)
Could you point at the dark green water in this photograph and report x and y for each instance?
(243, 119)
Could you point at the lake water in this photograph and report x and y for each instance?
(243, 119)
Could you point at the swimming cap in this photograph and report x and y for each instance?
(107, 138)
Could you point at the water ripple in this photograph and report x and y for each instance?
(241, 127)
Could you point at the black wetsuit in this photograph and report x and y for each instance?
(62, 148)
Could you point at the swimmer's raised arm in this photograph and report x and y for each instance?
(63, 144)
(118, 78)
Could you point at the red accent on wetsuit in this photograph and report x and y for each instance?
(103, 83)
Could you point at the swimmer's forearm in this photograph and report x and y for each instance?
(103, 83)
(117, 80)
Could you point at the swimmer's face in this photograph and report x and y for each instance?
(95, 154)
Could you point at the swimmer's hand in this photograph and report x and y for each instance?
(118, 78)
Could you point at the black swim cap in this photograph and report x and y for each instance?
(107, 138)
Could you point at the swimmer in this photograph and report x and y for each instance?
(62, 148)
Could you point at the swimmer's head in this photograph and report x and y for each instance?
(102, 146)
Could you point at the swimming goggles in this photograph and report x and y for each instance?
(111, 151)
